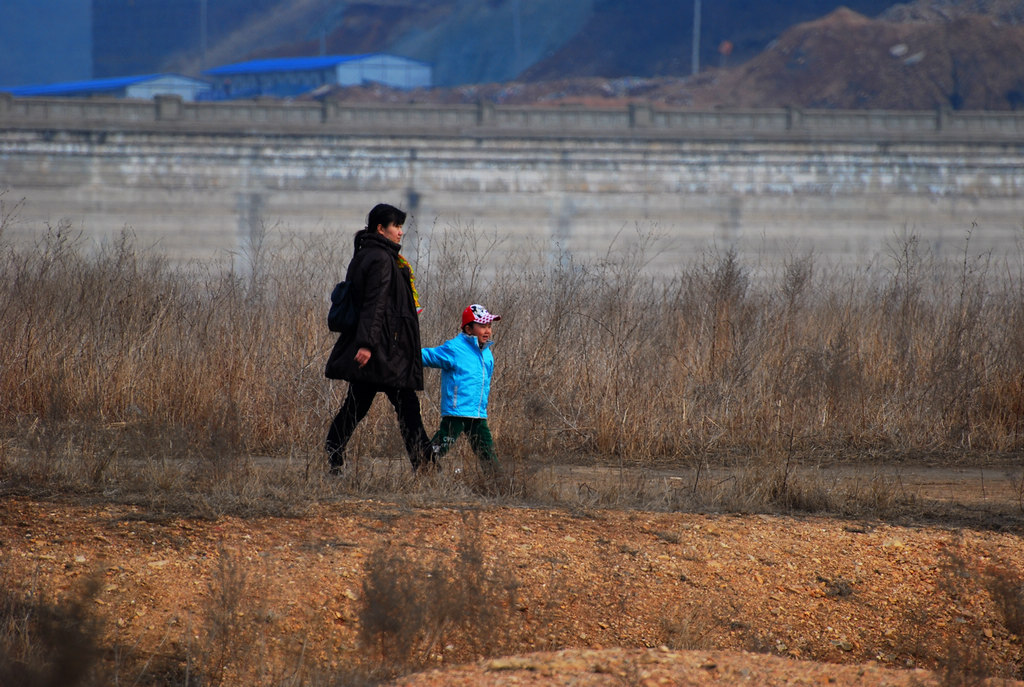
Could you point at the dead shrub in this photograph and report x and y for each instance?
(235, 624)
(45, 642)
(964, 664)
(958, 654)
(686, 629)
(1006, 587)
(416, 605)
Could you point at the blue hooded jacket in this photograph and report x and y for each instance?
(466, 371)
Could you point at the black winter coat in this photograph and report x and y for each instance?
(387, 321)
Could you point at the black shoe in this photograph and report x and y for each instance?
(335, 461)
(427, 467)
(426, 462)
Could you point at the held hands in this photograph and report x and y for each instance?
(363, 356)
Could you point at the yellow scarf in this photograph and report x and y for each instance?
(404, 264)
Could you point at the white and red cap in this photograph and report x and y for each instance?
(478, 313)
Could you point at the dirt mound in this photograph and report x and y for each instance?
(651, 667)
(1003, 11)
(846, 60)
(654, 38)
(582, 597)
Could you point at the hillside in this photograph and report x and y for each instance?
(523, 40)
(1000, 11)
(466, 41)
(654, 38)
(843, 60)
(846, 60)
(919, 55)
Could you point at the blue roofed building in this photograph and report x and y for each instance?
(292, 76)
(146, 87)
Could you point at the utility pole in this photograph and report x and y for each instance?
(517, 35)
(202, 32)
(695, 60)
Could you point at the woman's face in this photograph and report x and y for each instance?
(392, 232)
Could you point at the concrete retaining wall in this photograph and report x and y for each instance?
(202, 179)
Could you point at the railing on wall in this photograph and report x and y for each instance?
(170, 113)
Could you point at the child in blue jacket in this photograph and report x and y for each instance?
(466, 365)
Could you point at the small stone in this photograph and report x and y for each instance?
(511, 663)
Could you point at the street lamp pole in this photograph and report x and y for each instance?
(202, 31)
(517, 35)
(695, 60)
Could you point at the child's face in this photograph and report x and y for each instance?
(481, 331)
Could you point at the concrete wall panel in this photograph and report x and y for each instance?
(562, 181)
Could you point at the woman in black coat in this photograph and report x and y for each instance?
(382, 352)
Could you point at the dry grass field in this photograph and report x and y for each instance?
(809, 475)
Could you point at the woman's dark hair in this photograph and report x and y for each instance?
(386, 215)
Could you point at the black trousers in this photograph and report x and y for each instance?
(357, 404)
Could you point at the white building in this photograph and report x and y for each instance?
(123, 87)
(290, 76)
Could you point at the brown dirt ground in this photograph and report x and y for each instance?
(605, 597)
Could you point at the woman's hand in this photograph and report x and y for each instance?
(363, 356)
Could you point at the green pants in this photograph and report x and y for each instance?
(480, 440)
